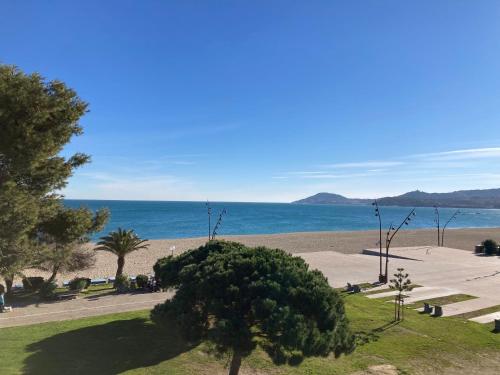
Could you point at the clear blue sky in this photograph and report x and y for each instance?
(271, 100)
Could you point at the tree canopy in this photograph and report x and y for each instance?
(37, 119)
(238, 297)
(63, 235)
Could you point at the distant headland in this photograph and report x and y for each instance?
(488, 198)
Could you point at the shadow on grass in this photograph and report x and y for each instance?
(365, 337)
(110, 348)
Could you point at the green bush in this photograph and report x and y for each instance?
(47, 290)
(141, 281)
(122, 283)
(490, 247)
(33, 283)
(79, 283)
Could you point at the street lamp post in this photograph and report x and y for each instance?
(381, 277)
(209, 213)
(457, 212)
(390, 236)
(436, 220)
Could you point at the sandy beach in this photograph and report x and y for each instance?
(141, 262)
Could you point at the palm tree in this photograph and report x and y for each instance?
(121, 243)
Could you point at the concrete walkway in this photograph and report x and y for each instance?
(81, 307)
(488, 318)
(468, 306)
(419, 294)
(443, 271)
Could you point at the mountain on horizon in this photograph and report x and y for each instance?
(488, 198)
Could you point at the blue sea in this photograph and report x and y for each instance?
(155, 220)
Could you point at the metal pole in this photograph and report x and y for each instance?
(436, 213)
(377, 213)
(209, 214)
(390, 236)
(457, 212)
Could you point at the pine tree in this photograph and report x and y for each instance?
(37, 119)
(237, 297)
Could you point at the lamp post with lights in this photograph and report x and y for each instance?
(391, 233)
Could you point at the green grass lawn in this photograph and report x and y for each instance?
(129, 343)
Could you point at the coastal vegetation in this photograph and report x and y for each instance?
(238, 298)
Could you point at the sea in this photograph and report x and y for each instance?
(162, 220)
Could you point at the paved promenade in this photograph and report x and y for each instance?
(81, 307)
(441, 271)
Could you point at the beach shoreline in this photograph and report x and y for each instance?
(347, 242)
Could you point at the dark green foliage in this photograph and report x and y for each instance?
(238, 297)
(47, 290)
(79, 283)
(490, 247)
(37, 119)
(141, 281)
(122, 283)
(33, 283)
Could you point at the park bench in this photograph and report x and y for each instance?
(67, 296)
(352, 288)
(356, 289)
(98, 281)
(438, 311)
(427, 308)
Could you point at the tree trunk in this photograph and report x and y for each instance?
(395, 307)
(9, 280)
(52, 277)
(234, 369)
(121, 263)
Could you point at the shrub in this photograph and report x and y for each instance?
(490, 247)
(122, 283)
(33, 283)
(141, 281)
(79, 283)
(47, 290)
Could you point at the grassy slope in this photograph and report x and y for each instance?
(129, 343)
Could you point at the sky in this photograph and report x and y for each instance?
(270, 101)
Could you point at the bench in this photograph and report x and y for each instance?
(438, 311)
(67, 296)
(427, 308)
(98, 281)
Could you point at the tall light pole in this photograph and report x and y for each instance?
(457, 212)
(209, 213)
(390, 236)
(436, 220)
(377, 214)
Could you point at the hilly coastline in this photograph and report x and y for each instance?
(488, 198)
